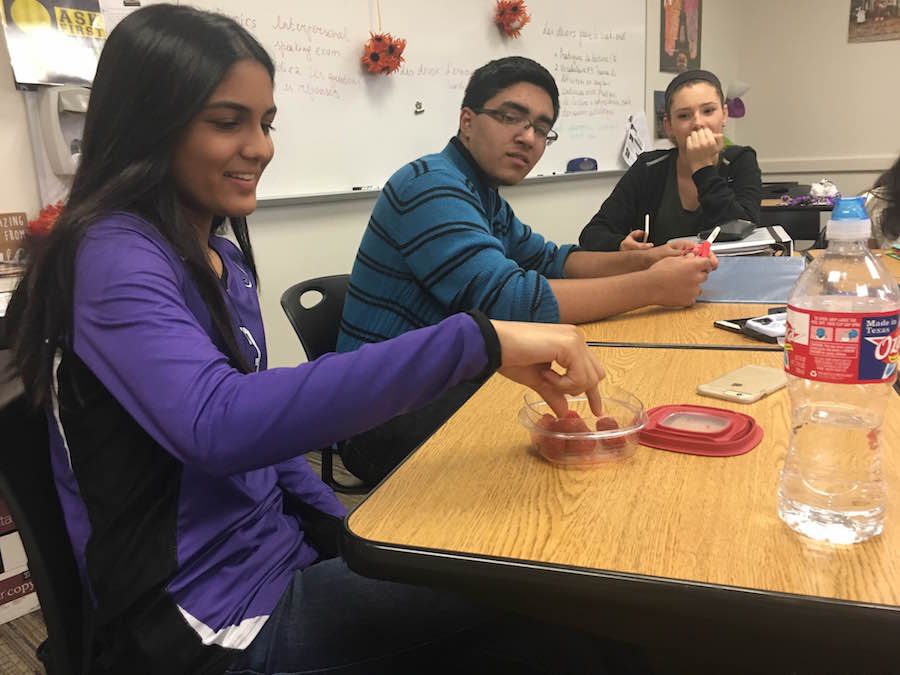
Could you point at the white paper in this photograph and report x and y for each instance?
(114, 11)
(637, 137)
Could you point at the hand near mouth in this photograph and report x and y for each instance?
(702, 148)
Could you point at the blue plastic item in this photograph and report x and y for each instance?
(850, 208)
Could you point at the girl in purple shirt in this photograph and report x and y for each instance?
(202, 535)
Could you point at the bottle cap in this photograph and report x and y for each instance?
(849, 220)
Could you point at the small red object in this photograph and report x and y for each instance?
(573, 424)
(383, 53)
(41, 226)
(550, 445)
(511, 16)
(607, 423)
(700, 430)
(701, 250)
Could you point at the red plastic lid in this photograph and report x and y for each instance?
(700, 430)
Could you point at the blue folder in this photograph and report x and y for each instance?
(757, 279)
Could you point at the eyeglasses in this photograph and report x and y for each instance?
(512, 118)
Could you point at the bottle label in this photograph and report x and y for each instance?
(839, 347)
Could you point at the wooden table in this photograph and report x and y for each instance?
(892, 264)
(688, 327)
(661, 548)
(692, 326)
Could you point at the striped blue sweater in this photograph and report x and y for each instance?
(441, 240)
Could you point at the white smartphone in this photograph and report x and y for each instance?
(745, 385)
(772, 325)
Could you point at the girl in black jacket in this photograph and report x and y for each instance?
(693, 187)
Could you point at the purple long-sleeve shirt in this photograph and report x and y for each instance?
(171, 463)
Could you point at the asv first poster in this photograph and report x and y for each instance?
(53, 42)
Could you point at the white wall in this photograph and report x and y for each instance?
(818, 106)
(18, 188)
(793, 124)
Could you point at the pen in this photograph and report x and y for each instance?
(701, 250)
(646, 227)
(706, 245)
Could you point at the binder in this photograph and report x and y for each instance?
(752, 279)
(772, 239)
(769, 240)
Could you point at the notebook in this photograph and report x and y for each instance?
(756, 279)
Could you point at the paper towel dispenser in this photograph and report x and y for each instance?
(61, 112)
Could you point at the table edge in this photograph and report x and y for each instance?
(807, 616)
(761, 347)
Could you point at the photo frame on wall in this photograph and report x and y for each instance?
(874, 20)
(659, 111)
(679, 35)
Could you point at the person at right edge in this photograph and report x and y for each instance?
(883, 205)
(698, 184)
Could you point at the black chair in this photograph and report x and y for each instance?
(26, 482)
(799, 223)
(317, 327)
(774, 189)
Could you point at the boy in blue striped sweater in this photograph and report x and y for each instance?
(441, 240)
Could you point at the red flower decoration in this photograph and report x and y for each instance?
(511, 16)
(42, 225)
(383, 53)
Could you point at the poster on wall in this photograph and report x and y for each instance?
(874, 20)
(12, 238)
(679, 35)
(659, 112)
(53, 41)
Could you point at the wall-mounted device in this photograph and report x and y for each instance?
(61, 113)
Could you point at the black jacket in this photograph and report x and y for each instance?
(728, 191)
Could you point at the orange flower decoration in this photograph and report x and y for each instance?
(42, 225)
(511, 17)
(383, 53)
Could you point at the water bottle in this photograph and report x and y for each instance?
(841, 343)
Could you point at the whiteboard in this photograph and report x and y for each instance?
(340, 128)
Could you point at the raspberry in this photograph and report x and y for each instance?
(609, 424)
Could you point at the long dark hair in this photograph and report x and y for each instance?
(157, 70)
(888, 189)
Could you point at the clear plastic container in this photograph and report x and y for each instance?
(841, 360)
(585, 440)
